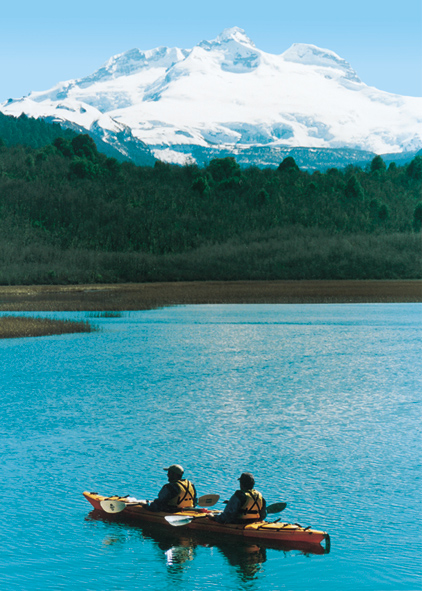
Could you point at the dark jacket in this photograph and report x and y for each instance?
(170, 494)
(233, 512)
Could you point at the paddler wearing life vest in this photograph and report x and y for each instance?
(178, 494)
(245, 505)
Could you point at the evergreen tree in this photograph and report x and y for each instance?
(354, 191)
(64, 146)
(84, 146)
(200, 185)
(414, 169)
(82, 168)
(378, 164)
(224, 169)
(288, 165)
(417, 218)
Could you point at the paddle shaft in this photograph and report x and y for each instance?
(273, 508)
(117, 506)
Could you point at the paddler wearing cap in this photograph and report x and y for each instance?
(245, 505)
(178, 494)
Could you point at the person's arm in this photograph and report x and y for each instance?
(232, 509)
(166, 493)
(263, 512)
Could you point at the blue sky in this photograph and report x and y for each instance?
(46, 41)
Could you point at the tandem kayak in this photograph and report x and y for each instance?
(273, 532)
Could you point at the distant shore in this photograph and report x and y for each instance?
(145, 296)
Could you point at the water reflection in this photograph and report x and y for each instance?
(246, 558)
(179, 548)
(177, 555)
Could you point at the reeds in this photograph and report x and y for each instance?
(24, 326)
(106, 300)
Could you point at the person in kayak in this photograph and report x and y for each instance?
(178, 494)
(246, 505)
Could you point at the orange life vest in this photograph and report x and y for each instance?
(185, 495)
(251, 508)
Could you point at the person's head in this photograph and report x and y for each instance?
(246, 481)
(174, 472)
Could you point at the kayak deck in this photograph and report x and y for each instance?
(259, 530)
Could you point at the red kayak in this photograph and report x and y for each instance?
(198, 520)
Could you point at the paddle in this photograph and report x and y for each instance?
(208, 500)
(178, 520)
(118, 506)
(274, 508)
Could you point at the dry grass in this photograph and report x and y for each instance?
(143, 296)
(22, 326)
(109, 299)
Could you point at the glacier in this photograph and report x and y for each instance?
(227, 97)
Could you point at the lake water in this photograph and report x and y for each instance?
(321, 402)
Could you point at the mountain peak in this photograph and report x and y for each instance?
(234, 34)
(239, 52)
(226, 94)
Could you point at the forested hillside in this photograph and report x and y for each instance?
(27, 131)
(37, 133)
(71, 214)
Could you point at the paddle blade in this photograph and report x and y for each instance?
(208, 500)
(113, 506)
(177, 520)
(276, 507)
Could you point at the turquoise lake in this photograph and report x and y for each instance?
(322, 403)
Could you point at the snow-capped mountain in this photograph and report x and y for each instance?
(225, 96)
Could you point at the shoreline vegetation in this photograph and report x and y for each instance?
(147, 296)
(22, 326)
(109, 299)
(71, 215)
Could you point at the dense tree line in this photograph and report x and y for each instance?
(28, 131)
(69, 197)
